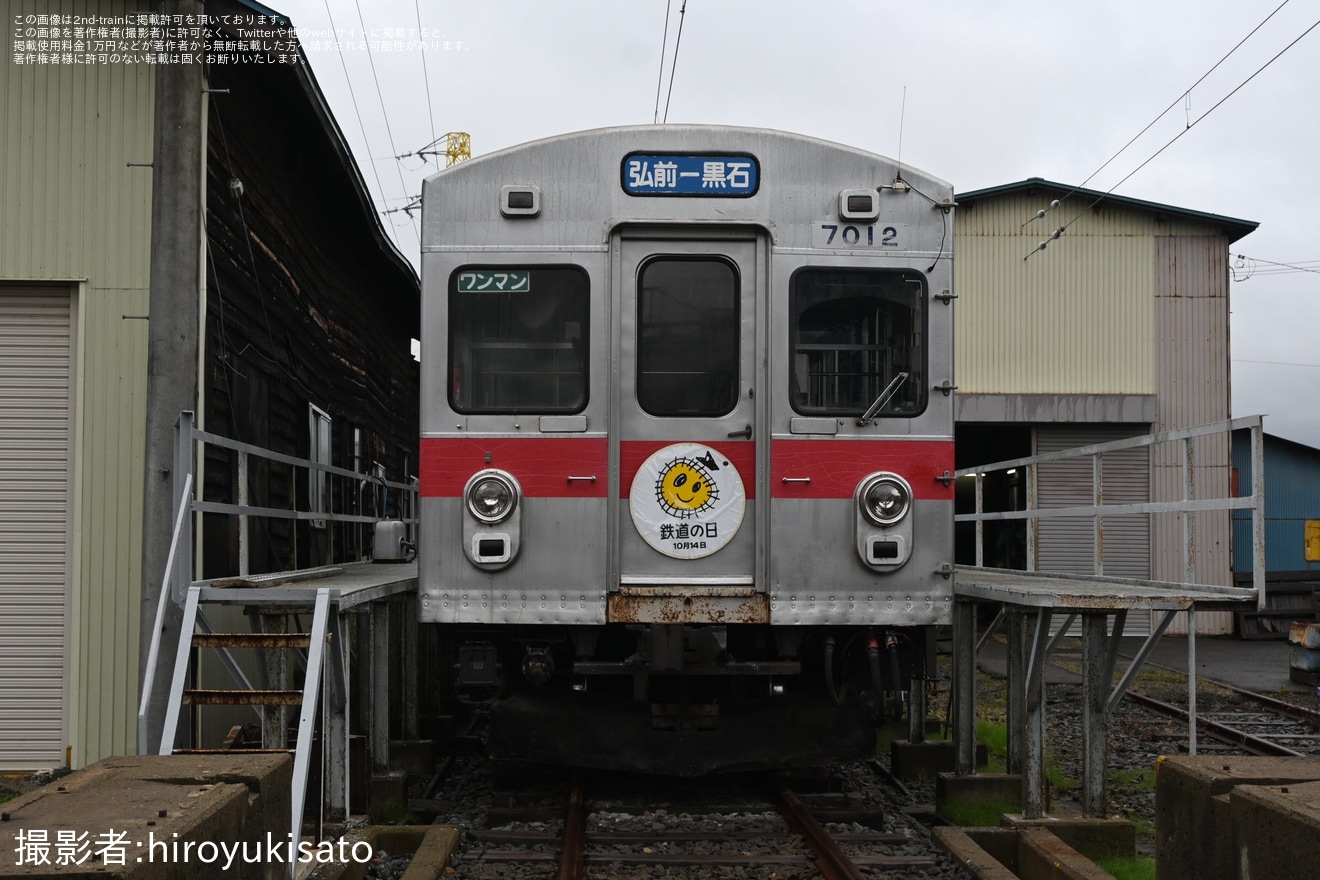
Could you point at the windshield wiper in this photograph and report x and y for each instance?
(890, 390)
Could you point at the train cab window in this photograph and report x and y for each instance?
(518, 340)
(687, 337)
(853, 333)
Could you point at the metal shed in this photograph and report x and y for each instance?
(1116, 328)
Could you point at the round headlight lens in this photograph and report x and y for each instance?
(491, 498)
(885, 500)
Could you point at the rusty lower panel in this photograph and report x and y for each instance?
(653, 608)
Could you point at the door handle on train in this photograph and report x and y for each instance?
(745, 432)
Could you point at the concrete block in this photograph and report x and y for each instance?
(157, 818)
(415, 757)
(387, 797)
(1277, 829)
(926, 760)
(1194, 828)
(1002, 788)
(1043, 855)
(1093, 838)
(984, 853)
(1009, 853)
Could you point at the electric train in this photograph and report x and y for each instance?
(687, 443)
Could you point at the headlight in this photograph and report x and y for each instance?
(491, 497)
(885, 499)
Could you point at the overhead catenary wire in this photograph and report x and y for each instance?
(385, 114)
(660, 76)
(426, 76)
(673, 65)
(1174, 139)
(1184, 97)
(1275, 363)
(1249, 265)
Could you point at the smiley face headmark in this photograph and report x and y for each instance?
(685, 488)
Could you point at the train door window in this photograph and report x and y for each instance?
(518, 340)
(854, 332)
(687, 337)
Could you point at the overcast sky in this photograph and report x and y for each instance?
(985, 93)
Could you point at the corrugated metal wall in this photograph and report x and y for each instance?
(1077, 318)
(74, 210)
(1127, 301)
(1191, 371)
(1292, 496)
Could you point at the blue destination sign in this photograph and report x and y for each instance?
(735, 175)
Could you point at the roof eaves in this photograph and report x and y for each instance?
(1234, 227)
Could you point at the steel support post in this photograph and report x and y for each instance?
(980, 524)
(244, 539)
(379, 618)
(964, 687)
(917, 709)
(1033, 740)
(917, 701)
(1191, 680)
(336, 736)
(1017, 691)
(275, 723)
(1096, 677)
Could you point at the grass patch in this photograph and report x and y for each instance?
(1055, 776)
(5, 798)
(978, 815)
(1140, 780)
(995, 737)
(1144, 828)
(1128, 869)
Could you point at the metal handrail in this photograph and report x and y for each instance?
(149, 680)
(1255, 502)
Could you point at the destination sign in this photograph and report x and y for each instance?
(671, 174)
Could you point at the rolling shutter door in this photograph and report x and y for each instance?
(35, 396)
(1066, 544)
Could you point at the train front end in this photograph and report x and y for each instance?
(687, 444)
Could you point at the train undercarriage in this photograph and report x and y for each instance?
(685, 699)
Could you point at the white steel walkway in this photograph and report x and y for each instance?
(1033, 602)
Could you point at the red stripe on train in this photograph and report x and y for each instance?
(833, 468)
(814, 468)
(542, 465)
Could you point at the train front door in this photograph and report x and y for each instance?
(690, 314)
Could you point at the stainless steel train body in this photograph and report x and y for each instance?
(687, 436)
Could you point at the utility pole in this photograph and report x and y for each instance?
(178, 165)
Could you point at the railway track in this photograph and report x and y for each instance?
(758, 825)
(1246, 721)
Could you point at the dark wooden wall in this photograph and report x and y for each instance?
(306, 304)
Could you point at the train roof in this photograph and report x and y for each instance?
(699, 138)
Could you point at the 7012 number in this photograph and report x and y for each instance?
(849, 235)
